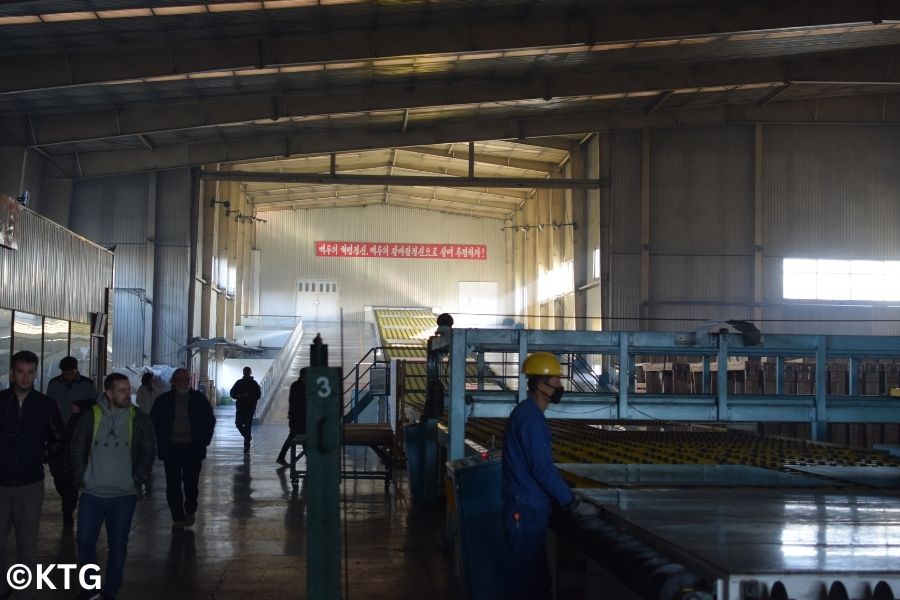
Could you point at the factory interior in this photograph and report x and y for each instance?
(692, 205)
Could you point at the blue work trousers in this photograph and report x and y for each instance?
(527, 571)
(117, 512)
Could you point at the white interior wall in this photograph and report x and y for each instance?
(287, 253)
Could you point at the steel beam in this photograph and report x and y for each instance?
(399, 165)
(444, 196)
(513, 196)
(881, 109)
(408, 180)
(443, 206)
(488, 159)
(119, 122)
(436, 31)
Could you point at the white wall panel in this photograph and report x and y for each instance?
(287, 253)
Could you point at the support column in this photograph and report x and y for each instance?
(193, 329)
(222, 260)
(606, 237)
(645, 229)
(208, 194)
(531, 266)
(757, 225)
(241, 228)
(722, 380)
(150, 316)
(624, 376)
(509, 239)
(234, 193)
(581, 251)
(820, 427)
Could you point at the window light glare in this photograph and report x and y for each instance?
(20, 20)
(124, 13)
(276, 4)
(188, 9)
(556, 282)
(68, 16)
(234, 6)
(831, 279)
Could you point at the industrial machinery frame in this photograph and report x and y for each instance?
(461, 345)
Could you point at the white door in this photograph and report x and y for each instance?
(318, 300)
(478, 303)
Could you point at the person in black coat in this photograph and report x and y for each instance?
(296, 414)
(31, 433)
(184, 424)
(246, 393)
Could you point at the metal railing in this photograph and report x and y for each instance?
(357, 382)
(502, 370)
(272, 379)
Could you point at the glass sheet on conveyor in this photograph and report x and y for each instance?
(757, 531)
(616, 475)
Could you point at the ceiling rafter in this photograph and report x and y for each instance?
(539, 27)
(880, 109)
(833, 68)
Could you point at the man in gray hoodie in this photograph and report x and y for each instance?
(112, 450)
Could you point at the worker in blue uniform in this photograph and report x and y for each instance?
(532, 486)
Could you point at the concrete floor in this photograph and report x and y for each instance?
(250, 539)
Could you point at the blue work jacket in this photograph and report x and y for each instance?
(529, 475)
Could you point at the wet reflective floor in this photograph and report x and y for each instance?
(249, 540)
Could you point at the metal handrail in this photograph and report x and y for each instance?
(354, 389)
(272, 379)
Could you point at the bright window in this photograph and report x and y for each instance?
(827, 279)
(596, 263)
(556, 282)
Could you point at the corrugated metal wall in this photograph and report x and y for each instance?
(827, 191)
(53, 272)
(172, 265)
(701, 223)
(114, 211)
(624, 245)
(287, 245)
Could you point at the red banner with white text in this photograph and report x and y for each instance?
(329, 249)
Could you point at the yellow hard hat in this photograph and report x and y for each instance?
(542, 363)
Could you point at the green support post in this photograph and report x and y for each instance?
(323, 482)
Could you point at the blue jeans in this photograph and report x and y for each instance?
(117, 512)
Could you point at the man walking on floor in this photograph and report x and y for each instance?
(31, 431)
(246, 393)
(70, 390)
(184, 423)
(112, 452)
(296, 415)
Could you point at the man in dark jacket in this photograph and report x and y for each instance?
(184, 423)
(70, 390)
(296, 415)
(31, 432)
(246, 393)
(112, 452)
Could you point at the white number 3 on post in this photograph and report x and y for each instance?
(324, 387)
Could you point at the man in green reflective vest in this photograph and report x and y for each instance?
(113, 448)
